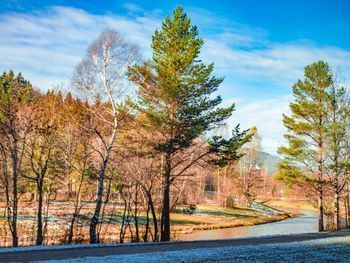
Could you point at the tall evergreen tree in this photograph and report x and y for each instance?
(336, 144)
(176, 96)
(307, 129)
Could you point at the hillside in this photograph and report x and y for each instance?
(268, 161)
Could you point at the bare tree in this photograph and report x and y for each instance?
(101, 77)
(42, 154)
(15, 118)
(250, 169)
(78, 154)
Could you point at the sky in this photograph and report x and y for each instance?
(260, 47)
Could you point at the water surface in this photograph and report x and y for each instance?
(306, 223)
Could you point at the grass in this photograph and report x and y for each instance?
(209, 217)
(205, 214)
(292, 205)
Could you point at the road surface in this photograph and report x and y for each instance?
(122, 249)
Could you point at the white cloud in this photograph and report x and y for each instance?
(281, 63)
(266, 115)
(133, 8)
(47, 45)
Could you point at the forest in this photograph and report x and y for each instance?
(135, 141)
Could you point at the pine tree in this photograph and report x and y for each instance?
(307, 128)
(336, 144)
(176, 96)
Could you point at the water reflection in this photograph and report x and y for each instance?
(307, 223)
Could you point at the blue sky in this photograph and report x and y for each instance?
(261, 47)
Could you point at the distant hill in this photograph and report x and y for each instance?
(256, 156)
(268, 162)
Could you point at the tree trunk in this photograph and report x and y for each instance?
(154, 217)
(105, 202)
(71, 229)
(39, 230)
(136, 221)
(14, 197)
(320, 184)
(72, 223)
(8, 212)
(122, 226)
(145, 235)
(165, 222)
(320, 211)
(346, 213)
(95, 218)
(336, 211)
(15, 211)
(76, 211)
(347, 205)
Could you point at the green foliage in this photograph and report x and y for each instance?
(289, 173)
(337, 131)
(314, 126)
(306, 125)
(176, 88)
(309, 109)
(15, 86)
(13, 89)
(227, 149)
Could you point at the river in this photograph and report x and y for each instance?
(306, 223)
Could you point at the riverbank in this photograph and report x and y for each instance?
(209, 217)
(205, 217)
(292, 206)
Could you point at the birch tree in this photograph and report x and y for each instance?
(101, 78)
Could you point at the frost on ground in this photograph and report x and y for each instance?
(336, 249)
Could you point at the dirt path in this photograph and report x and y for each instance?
(117, 249)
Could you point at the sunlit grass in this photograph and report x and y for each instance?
(293, 205)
